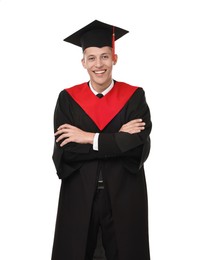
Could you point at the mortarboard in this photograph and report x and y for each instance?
(96, 34)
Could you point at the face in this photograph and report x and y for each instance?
(99, 65)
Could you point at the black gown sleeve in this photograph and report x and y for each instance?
(134, 147)
(63, 156)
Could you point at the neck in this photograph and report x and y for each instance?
(100, 87)
(104, 92)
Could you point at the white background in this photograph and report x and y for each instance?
(160, 54)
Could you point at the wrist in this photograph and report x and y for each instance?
(90, 138)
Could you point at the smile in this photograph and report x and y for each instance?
(99, 71)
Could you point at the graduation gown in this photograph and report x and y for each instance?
(121, 157)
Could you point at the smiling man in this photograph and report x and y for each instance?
(102, 130)
(99, 64)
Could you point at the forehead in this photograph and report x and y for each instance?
(97, 51)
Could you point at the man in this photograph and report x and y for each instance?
(101, 144)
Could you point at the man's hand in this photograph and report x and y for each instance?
(68, 133)
(133, 126)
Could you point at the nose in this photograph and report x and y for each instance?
(98, 63)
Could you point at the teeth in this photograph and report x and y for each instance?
(100, 72)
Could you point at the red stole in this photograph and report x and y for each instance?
(102, 110)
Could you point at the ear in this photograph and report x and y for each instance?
(83, 63)
(115, 59)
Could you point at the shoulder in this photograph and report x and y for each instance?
(77, 88)
(138, 97)
(65, 93)
(137, 90)
(127, 85)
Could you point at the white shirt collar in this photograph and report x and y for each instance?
(105, 91)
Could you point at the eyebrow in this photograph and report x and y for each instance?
(105, 53)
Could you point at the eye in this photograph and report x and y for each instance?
(91, 58)
(105, 57)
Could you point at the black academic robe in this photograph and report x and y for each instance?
(121, 157)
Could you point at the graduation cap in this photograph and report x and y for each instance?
(96, 34)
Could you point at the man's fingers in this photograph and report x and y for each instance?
(136, 122)
(61, 137)
(65, 142)
(63, 129)
(64, 126)
(133, 126)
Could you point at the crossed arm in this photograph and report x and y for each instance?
(68, 133)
